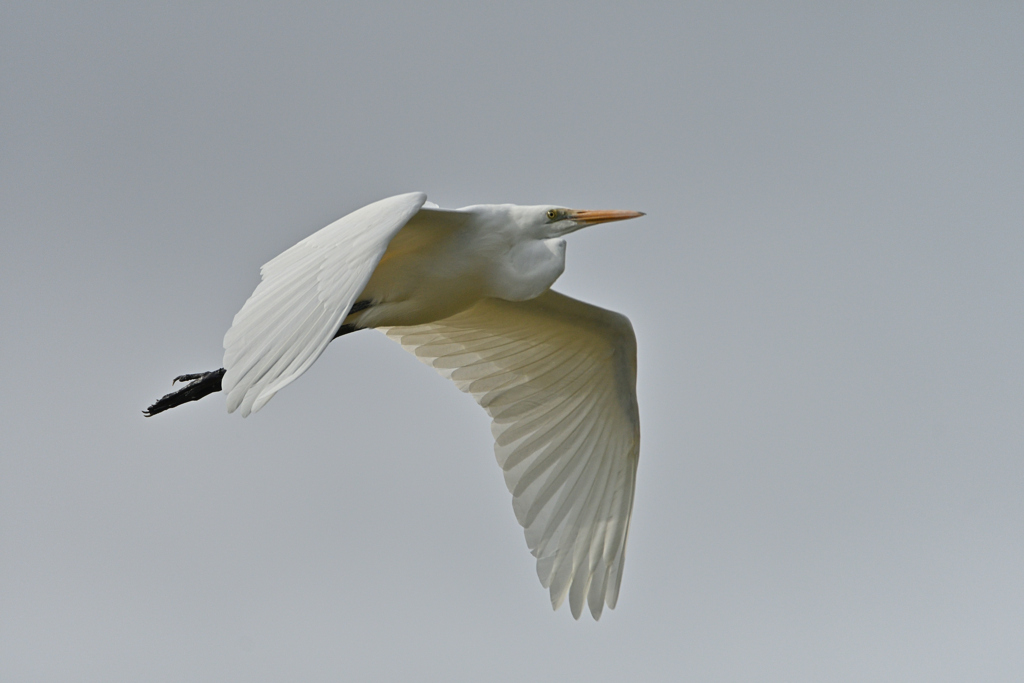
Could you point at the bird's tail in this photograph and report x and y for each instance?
(199, 384)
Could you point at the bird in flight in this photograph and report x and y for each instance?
(468, 292)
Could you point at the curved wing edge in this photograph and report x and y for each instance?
(303, 297)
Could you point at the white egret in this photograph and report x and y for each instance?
(468, 292)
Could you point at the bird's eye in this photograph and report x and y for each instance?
(552, 214)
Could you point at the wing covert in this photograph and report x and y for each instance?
(558, 378)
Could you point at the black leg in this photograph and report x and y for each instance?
(349, 328)
(359, 306)
(346, 329)
(200, 384)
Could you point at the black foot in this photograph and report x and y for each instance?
(189, 378)
(200, 384)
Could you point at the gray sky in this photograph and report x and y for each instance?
(827, 294)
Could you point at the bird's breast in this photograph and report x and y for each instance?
(527, 270)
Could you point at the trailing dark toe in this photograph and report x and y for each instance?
(200, 384)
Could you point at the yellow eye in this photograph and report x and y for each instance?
(552, 214)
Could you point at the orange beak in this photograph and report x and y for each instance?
(587, 218)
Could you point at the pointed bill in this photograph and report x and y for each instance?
(586, 218)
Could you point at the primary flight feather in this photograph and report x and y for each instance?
(468, 292)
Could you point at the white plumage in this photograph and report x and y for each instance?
(304, 296)
(467, 291)
(558, 378)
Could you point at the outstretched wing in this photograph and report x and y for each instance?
(558, 378)
(304, 296)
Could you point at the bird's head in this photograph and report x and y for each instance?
(546, 222)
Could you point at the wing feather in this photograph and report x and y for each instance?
(558, 378)
(304, 296)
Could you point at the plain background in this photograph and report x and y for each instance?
(827, 292)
